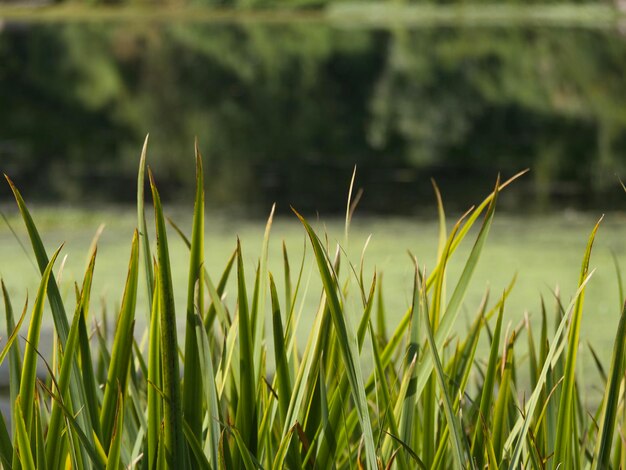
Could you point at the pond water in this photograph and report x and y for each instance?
(283, 111)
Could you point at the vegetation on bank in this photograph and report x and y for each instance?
(421, 399)
(288, 108)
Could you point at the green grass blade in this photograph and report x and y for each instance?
(287, 273)
(29, 367)
(386, 409)
(210, 394)
(562, 452)
(91, 447)
(40, 454)
(23, 442)
(608, 423)
(246, 406)
(283, 449)
(442, 221)
(461, 451)
(122, 348)
(478, 449)
(154, 405)
(113, 457)
(215, 293)
(6, 447)
(141, 222)
(500, 429)
(58, 310)
(89, 389)
(347, 344)
(246, 454)
(518, 433)
(15, 362)
(14, 329)
(174, 446)
(424, 368)
(192, 380)
(196, 449)
(55, 425)
(283, 379)
(257, 314)
(86, 419)
(409, 402)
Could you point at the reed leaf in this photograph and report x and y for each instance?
(608, 422)
(173, 445)
(192, 380)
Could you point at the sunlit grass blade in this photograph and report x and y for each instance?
(77, 390)
(210, 395)
(90, 446)
(459, 444)
(56, 304)
(23, 443)
(482, 422)
(113, 457)
(6, 446)
(347, 344)
(608, 423)
(334, 432)
(424, 367)
(215, 292)
(283, 379)
(15, 362)
(141, 221)
(461, 363)
(287, 273)
(29, 367)
(442, 221)
(244, 451)
(56, 422)
(122, 348)
(40, 454)
(518, 433)
(409, 401)
(154, 385)
(500, 425)
(14, 329)
(89, 389)
(283, 448)
(196, 449)
(246, 405)
(174, 446)
(257, 314)
(192, 380)
(562, 452)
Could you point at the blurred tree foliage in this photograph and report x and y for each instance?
(283, 112)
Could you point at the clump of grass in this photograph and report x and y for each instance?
(423, 400)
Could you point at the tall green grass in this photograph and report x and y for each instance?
(420, 398)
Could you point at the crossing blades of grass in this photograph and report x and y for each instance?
(29, 366)
(562, 452)
(347, 344)
(122, 348)
(192, 380)
(482, 422)
(246, 404)
(141, 221)
(608, 423)
(55, 424)
(173, 445)
(459, 444)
